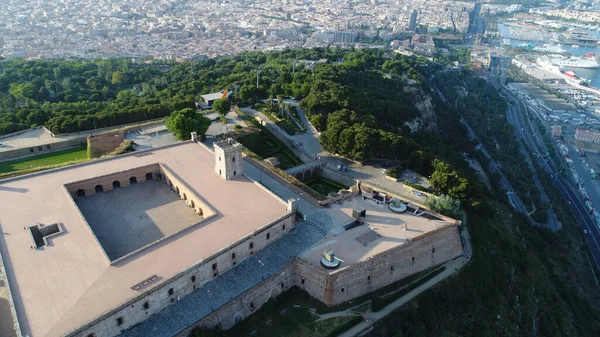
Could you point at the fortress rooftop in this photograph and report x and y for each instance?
(102, 247)
(382, 230)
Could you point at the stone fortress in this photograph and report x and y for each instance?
(157, 242)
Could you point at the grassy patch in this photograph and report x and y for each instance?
(125, 147)
(52, 159)
(290, 315)
(380, 302)
(266, 145)
(323, 185)
(330, 327)
(278, 317)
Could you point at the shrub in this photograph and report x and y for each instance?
(445, 205)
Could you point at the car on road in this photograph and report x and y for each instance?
(585, 231)
(342, 168)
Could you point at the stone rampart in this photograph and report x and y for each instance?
(39, 149)
(102, 144)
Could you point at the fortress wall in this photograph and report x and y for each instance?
(133, 312)
(246, 304)
(394, 265)
(327, 287)
(185, 193)
(315, 282)
(101, 144)
(40, 149)
(89, 185)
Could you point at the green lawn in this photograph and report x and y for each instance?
(324, 186)
(266, 145)
(47, 159)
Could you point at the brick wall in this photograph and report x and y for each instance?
(39, 149)
(101, 144)
(246, 304)
(382, 269)
(107, 182)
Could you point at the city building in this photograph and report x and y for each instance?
(412, 24)
(587, 140)
(210, 98)
(556, 131)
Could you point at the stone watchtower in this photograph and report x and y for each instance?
(228, 158)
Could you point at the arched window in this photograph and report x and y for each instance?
(99, 188)
(149, 176)
(133, 180)
(80, 193)
(116, 184)
(184, 196)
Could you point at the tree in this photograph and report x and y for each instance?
(221, 106)
(183, 122)
(118, 78)
(445, 205)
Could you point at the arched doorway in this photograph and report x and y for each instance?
(116, 184)
(148, 176)
(80, 193)
(177, 190)
(132, 180)
(184, 196)
(200, 212)
(99, 188)
(307, 175)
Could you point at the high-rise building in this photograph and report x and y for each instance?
(412, 24)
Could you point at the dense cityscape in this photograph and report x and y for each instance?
(190, 29)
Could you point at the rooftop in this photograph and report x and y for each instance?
(70, 282)
(212, 96)
(29, 138)
(234, 282)
(383, 230)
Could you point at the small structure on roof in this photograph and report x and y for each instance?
(329, 260)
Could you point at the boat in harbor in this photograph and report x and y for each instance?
(554, 49)
(587, 61)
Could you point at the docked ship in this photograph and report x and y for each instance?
(554, 49)
(578, 37)
(588, 61)
(549, 64)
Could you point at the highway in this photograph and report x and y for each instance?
(519, 115)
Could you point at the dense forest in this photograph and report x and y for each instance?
(522, 281)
